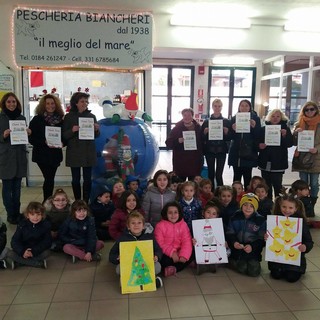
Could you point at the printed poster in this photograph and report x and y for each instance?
(284, 238)
(53, 137)
(305, 140)
(215, 130)
(190, 142)
(273, 135)
(243, 122)
(18, 134)
(211, 245)
(137, 272)
(86, 129)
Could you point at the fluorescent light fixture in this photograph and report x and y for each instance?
(199, 21)
(233, 60)
(303, 20)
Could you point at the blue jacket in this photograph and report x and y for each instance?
(192, 211)
(35, 236)
(246, 231)
(81, 233)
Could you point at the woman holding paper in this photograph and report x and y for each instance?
(309, 119)
(214, 139)
(81, 148)
(244, 133)
(275, 139)
(46, 140)
(185, 141)
(13, 157)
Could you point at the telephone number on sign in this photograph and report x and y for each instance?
(48, 58)
(101, 59)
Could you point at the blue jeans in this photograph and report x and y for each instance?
(11, 191)
(313, 180)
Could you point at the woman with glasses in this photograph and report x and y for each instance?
(309, 119)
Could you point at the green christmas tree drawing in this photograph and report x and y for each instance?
(140, 274)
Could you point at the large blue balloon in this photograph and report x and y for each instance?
(123, 140)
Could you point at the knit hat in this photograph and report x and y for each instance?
(250, 198)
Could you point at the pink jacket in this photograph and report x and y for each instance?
(174, 237)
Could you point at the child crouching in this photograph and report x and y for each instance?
(136, 232)
(245, 236)
(78, 234)
(32, 240)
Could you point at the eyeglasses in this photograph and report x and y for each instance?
(309, 109)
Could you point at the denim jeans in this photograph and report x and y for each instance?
(11, 191)
(313, 180)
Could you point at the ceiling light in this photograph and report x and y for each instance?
(233, 60)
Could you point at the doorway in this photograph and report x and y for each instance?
(172, 91)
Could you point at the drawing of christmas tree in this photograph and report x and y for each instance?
(140, 274)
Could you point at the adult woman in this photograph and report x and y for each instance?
(309, 119)
(273, 160)
(186, 163)
(215, 150)
(243, 153)
(49, 113)
(13, 158)
(80, 153)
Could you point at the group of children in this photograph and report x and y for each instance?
(164, 214)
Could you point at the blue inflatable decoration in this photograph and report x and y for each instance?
(124, 148)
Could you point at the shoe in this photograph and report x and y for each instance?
(199, 269)
(96, 257)
(74, 259)
(159, 282)
(45, 266)
(212, 268)
(170, 271)
(12, 221)
(13, 265)
(3, 264)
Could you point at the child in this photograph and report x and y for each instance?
(301, 189)
(191, 207)
(211, 211)
(255, 180)
(117, 190)
(157, 196)
(133, 184)
(239, 189)
(57, 211)
(32, 239)
(290, 206)
(197, 179)
(136, 232)
(265, 203)
(245, 236)
(174, 238)
(102, 209)
(78, 234)
(128, 202)
(205, 193)
(228, 203)
(175, 181)
(3, 242)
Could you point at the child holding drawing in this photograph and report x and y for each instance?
(290, 206)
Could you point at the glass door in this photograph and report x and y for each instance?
(231, 85)
(172, 91)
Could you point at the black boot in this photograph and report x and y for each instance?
(86, 191)
(313, 202)
(76, 187)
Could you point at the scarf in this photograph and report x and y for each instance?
(12, 115)
(52, 119)
(309, 123)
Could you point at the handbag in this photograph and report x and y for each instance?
(246, 150)
(304, 160)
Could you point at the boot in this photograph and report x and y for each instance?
(313, 202)
(76, 187)
(86, 191)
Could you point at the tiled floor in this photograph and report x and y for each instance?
(91, 290)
